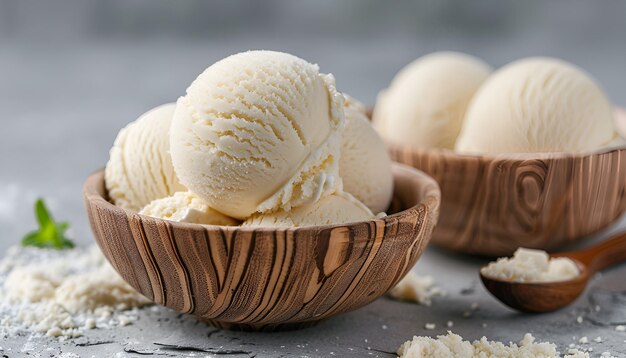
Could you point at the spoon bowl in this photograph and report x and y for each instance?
(540, 297)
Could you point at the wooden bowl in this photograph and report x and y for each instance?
(266, 279)
(491, 205)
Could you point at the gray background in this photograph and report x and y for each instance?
(72, 73)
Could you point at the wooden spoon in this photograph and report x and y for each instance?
(551, 296)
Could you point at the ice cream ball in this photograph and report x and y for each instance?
(425, 104)
(185, 206)
(620, 126)
(364, 165)
(259, 131)
(537, 104)
(338, 208)
(140, 168)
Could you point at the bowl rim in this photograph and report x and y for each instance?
(618, 144)
(431, 200)
(449, 153)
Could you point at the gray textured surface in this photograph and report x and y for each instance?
(68, 86)
(371, 331)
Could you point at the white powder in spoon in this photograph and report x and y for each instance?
(529, 265)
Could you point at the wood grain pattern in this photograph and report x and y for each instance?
(493, 204)
(266, 279)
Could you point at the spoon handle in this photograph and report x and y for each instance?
(603, 255)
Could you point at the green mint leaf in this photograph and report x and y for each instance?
(67, 243)
(63, 226)
(31, 239)
(50, 233)
(43, 215)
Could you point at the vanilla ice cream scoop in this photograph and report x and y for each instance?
(426, 101)
(364, 166)
(338, 208)
(184, 206)
(259, 131)
(537, 105)
(140, 168)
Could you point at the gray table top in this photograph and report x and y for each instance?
(61, 107)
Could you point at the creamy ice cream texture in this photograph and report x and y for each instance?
(140, 168)
(186, 207)
(364, 165)
(257, 132)
(537, 105)
(338, 208)
(620, 127)
(426, 101)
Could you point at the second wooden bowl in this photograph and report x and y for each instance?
(491, 205)
(266, 279)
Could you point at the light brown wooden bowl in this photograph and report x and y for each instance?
(491, 205)
(266, 279)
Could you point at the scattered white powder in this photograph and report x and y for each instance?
(620, 328)
(415, 288)
(575, 353)
(452, 345)
(123, 320)
(69, 355)
(62, 293)
(430, 326)
(90, 323)
(528, 265)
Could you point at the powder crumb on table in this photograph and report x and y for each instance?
(62, 293)
(90, 323)
(453, 345)
(123, 320)
(575, 353)
(416, 288)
